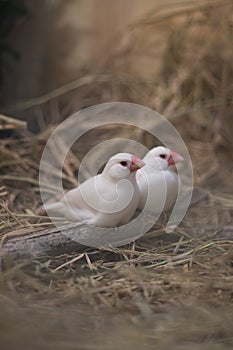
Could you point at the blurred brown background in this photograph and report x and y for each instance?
(173, 56)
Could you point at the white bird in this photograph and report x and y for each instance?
(157, 181)
(109, 199)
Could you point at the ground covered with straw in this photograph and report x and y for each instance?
(164, 290)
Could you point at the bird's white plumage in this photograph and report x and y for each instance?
(106, 200)
(157, 180)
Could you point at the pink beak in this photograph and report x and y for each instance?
(175, 158)
(137, 164)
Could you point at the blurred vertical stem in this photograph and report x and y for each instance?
(224, 83)
(197, 100)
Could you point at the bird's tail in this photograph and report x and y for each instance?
(53, 207)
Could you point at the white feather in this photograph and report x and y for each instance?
(106, 200)
(158, 180)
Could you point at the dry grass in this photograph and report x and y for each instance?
(166, 290)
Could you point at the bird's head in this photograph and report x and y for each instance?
(161, 158)
(122, 165)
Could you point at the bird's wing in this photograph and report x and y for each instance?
(72, 206)
(172, 188)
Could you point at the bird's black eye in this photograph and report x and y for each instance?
(123, 163)
(164, 156)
